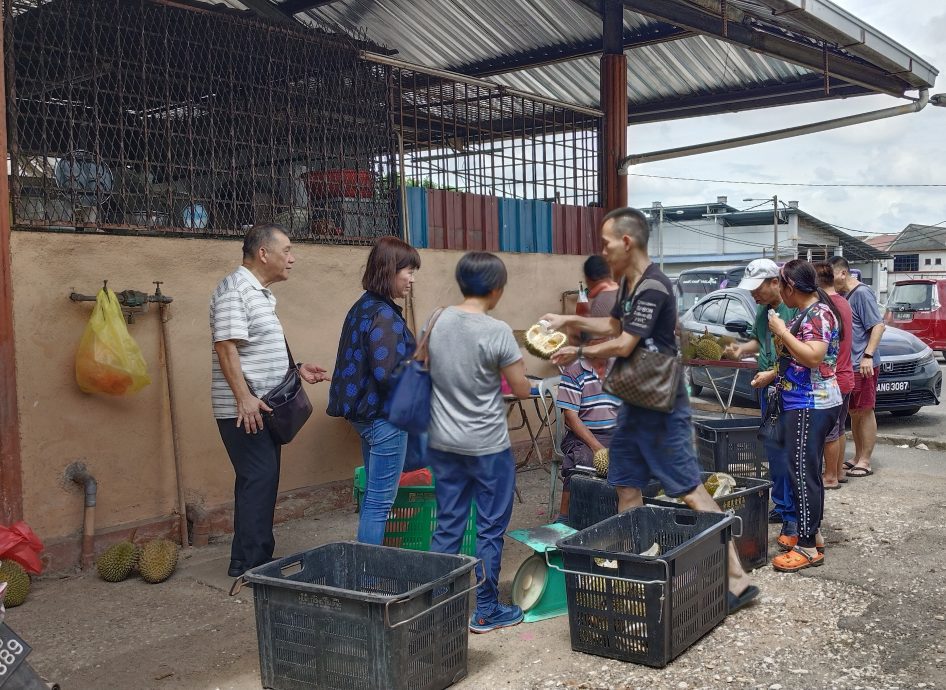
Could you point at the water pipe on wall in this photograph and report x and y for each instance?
(77, 472)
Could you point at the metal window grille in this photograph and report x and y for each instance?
(906, 262)
(158, 116)
(478, 137)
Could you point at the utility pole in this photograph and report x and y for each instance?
(658, 208)
(775, 227)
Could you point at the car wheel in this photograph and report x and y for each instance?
(905, 413)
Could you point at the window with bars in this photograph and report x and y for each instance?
(143, 116)
(906, 262)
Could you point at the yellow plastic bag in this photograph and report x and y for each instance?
(109, 360)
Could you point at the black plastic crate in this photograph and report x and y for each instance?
(732, 446)
(750, 503)
(647, 609)
(592, 501)
(350, 615)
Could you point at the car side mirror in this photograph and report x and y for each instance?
(741, 327)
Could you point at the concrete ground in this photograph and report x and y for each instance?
(873, 617)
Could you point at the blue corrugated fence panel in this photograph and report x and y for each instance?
(417, 216)
(525, 226)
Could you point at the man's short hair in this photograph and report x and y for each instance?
(840, 262)
(631, 222)
(260, 236)
(479, 273)
(596, 268)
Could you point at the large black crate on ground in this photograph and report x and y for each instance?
(592, 501)
(349, 615)
(646, 609)
(731, 445)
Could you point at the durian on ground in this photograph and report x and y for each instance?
(157, 560)
(118, 561)
(18, 583)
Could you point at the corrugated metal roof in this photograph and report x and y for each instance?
(670, 74)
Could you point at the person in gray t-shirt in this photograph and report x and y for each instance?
(867, 327)
(469, 449)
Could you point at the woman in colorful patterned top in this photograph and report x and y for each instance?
(811, 401)
(375, 340)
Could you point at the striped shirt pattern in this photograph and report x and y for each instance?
(582, 391)
(241, 309)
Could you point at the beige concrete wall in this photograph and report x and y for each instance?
(126, 441)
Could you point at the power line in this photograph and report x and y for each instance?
(786, 184)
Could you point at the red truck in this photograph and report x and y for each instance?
(918, 305)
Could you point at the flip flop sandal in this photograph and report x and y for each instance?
(832, 488)
(848, 464)
(737, 602)
(860, 472)
(796, 560)
(842, 480)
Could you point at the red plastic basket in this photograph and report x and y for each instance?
(350, 184)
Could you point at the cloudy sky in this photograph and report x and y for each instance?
(909, 149)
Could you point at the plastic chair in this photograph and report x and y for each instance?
(548, 388)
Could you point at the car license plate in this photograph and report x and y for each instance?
(893, 386)
(13, 651)
(902, 316)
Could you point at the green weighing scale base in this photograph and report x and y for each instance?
(537, 588)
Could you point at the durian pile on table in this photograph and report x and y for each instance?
(706, 352)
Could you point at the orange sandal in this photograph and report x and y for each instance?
(786, 542)
(795, 560)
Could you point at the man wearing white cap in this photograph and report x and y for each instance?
(762, 280)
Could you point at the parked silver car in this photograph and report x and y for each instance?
(910, 377)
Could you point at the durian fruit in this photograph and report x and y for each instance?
(117, 561)
(708, 348)
(600, 461)
(18, 583)
(157, 560)
(542, 343)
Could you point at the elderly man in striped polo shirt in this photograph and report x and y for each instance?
(249, 359)
(590, 418)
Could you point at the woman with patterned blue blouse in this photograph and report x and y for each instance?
(375, 340)
(807, 347)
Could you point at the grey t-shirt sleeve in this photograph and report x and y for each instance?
(507, 351)
(864, 305)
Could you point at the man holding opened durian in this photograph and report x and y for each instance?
(646, 442)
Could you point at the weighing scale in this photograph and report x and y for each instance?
(539, 590)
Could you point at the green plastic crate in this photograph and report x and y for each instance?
(413, 517)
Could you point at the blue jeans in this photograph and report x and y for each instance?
(383, 448)
(780, 474)
(490, 480)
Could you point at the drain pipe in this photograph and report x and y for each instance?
(825, 125)
(78, 473)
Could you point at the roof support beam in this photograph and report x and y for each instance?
(807, 56)
(295, 6)
(811, 89)
(562, 52)
(265, 8)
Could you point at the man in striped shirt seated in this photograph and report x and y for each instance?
(590, 418)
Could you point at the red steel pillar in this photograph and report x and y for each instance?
(11, 480)
(613, 139)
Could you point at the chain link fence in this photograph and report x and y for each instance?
(164, 118)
